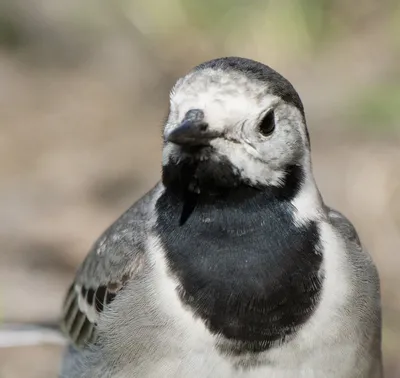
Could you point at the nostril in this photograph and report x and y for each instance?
(194, 115)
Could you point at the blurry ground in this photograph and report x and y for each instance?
(83, 93)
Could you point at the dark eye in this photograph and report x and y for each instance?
(267, 125)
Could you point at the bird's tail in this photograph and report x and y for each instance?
(28, 334)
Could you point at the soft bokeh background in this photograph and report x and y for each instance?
(83, 92)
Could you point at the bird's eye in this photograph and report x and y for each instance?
(267, 125)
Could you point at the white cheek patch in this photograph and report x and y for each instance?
(243, 159)
(252, 151)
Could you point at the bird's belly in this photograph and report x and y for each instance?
(207, 366)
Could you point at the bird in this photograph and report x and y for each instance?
(231, 265)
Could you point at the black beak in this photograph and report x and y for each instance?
(192, 131)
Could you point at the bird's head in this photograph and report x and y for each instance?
(234, 122)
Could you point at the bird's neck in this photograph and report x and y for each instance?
(297, 192)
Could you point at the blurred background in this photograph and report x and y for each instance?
(83, 93)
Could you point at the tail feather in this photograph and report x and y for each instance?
(26, 334)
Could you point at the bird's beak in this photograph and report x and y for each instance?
(191, 133)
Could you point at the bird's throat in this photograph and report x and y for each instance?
(243, 265)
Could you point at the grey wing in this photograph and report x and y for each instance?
(356, 252)
(358, 257)
(345, 227)
(366, 303)
(115, 258)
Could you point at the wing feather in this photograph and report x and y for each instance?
(116, 257)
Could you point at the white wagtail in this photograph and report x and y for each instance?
(231, 266)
